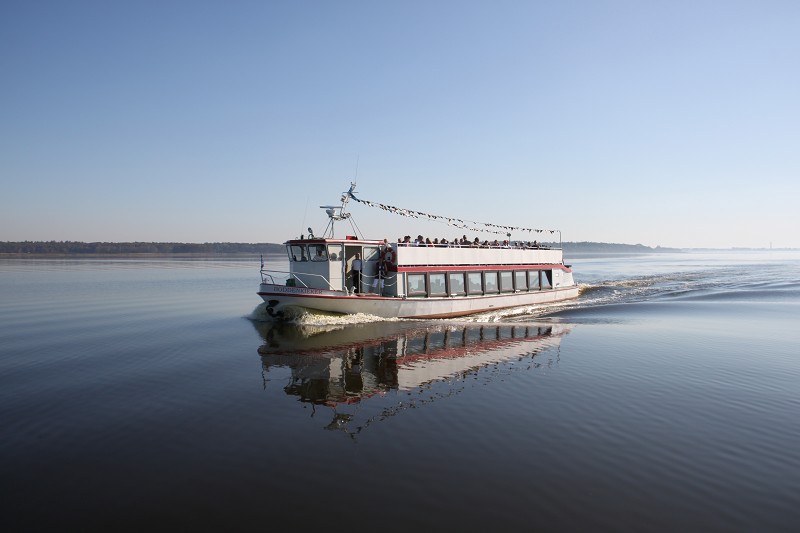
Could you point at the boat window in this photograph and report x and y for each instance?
(371, 253)
(436, 341)
(335, 252)
(507, 281)
(474, 335)
(533, 280)
(416, 285)
(455, 337)
(490, 282)
(520, 280)
(318, 252)
(297, 252)
(547, 279)
(474, 283)
(437, 285)
(416, 345)
(456, 280)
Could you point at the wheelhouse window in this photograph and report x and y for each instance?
(474, 283)
(437, 284)
(371, 253)
(335, 252)
(490, 282)
(416, 285)
(456, 280)
(507, 281)
(318, 252)
(521, 280)
(534, 283)
(298, 252)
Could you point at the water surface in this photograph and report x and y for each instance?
(156, 394)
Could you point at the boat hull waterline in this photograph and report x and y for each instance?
(282, 301)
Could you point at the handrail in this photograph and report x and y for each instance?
(266, 273)
(478, 247)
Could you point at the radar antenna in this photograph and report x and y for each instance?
(339, 212)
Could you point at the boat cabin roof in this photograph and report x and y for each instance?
(348, 240)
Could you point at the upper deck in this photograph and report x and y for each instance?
(466, 255)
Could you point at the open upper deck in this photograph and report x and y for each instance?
(466, 255)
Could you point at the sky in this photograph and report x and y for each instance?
(663, 123)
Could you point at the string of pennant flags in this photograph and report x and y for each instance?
(471, 225)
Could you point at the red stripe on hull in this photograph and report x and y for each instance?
(470, 268)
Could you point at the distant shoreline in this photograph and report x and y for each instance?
(136, 255)
(73, 249)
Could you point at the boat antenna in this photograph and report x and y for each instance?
(339, 212)
(304, 217)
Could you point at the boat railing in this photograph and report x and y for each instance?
(267, 277)
(484, 246)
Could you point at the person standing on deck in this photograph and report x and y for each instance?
(357, 265)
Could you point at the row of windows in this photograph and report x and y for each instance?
(473, 283)
(332, 252)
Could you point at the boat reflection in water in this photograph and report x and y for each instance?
(344, 366)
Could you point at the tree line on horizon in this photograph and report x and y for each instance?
(77, 247)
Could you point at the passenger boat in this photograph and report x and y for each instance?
(411, 280)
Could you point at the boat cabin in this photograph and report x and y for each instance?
(399, 270)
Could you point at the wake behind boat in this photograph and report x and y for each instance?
(416, 279)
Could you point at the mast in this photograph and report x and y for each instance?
(339, 212)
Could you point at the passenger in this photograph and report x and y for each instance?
(387, 255)
(356, 269)
(377, 283)
(476, 243)
(428, 242)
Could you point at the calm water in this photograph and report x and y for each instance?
(155, 394)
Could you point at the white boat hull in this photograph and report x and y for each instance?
(280, 299)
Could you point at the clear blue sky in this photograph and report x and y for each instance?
(672, 123)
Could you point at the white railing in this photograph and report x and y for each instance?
(267, 277)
